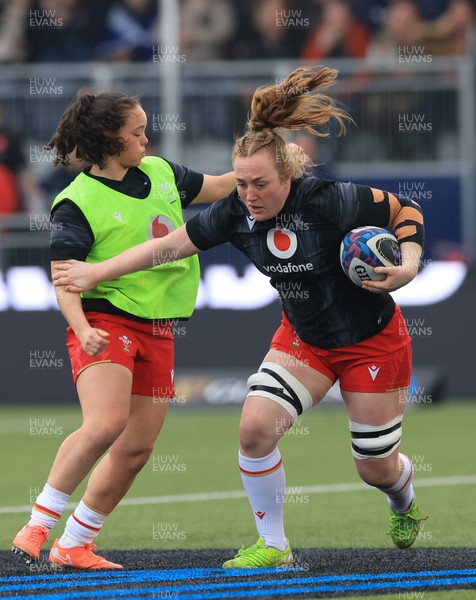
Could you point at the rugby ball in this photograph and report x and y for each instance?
(365, 248)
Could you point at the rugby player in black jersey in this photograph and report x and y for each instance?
(290, 225)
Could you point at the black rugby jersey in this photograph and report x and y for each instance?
(324, 307)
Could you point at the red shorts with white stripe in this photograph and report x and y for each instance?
(146, 349)
(381, 363)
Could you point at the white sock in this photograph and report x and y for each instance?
(400, 495)
(265, 482)
(48, 507)
(68, 542)
(82, 526)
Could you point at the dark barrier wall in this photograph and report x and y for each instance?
(34, 365)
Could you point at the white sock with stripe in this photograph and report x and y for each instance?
(264, 481)
(400, 495)
(82, 526)
(48, 507)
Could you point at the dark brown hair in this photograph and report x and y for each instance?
(90, 126)
(295, 103)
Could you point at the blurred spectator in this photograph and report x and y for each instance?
(62, 30)
(206, 28)
(13, 16)
(400, 25)
(444, 26)
(131, 31)
(338, 34)
(19, 189)
(271, 30)
(439, 27)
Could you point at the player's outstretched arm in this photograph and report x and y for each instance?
(77, 276)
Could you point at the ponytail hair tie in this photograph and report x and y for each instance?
(255, 125)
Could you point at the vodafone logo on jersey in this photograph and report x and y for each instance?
(281, 242)
(159, 226)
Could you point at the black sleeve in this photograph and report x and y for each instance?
(71, 235)
(189, 183)
(348, 205)
(211, 227)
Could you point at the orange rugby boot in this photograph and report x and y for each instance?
(28, 542)
(81, 557)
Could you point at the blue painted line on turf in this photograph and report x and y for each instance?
(270, 591)
(118, 574)
(88, 578)
(67, 580)
(275, 587)
(161, 574)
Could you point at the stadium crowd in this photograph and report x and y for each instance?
(126, 30)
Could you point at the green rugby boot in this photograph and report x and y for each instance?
(404, 527)
(259, 556)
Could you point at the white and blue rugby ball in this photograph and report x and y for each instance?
(365, 248)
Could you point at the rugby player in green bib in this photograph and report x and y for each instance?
(120, 335)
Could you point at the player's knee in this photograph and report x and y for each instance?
(259, 432)
(276, 383)
(377, 473)
(132, 460)
(375, 441)
(102, 436)
(374, 448)
(256, 433)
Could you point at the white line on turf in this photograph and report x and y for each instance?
(329, 488)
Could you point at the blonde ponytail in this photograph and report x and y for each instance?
(294, 104)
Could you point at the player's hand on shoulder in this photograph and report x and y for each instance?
(93, 340)
(74, 275)
(396, 277)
